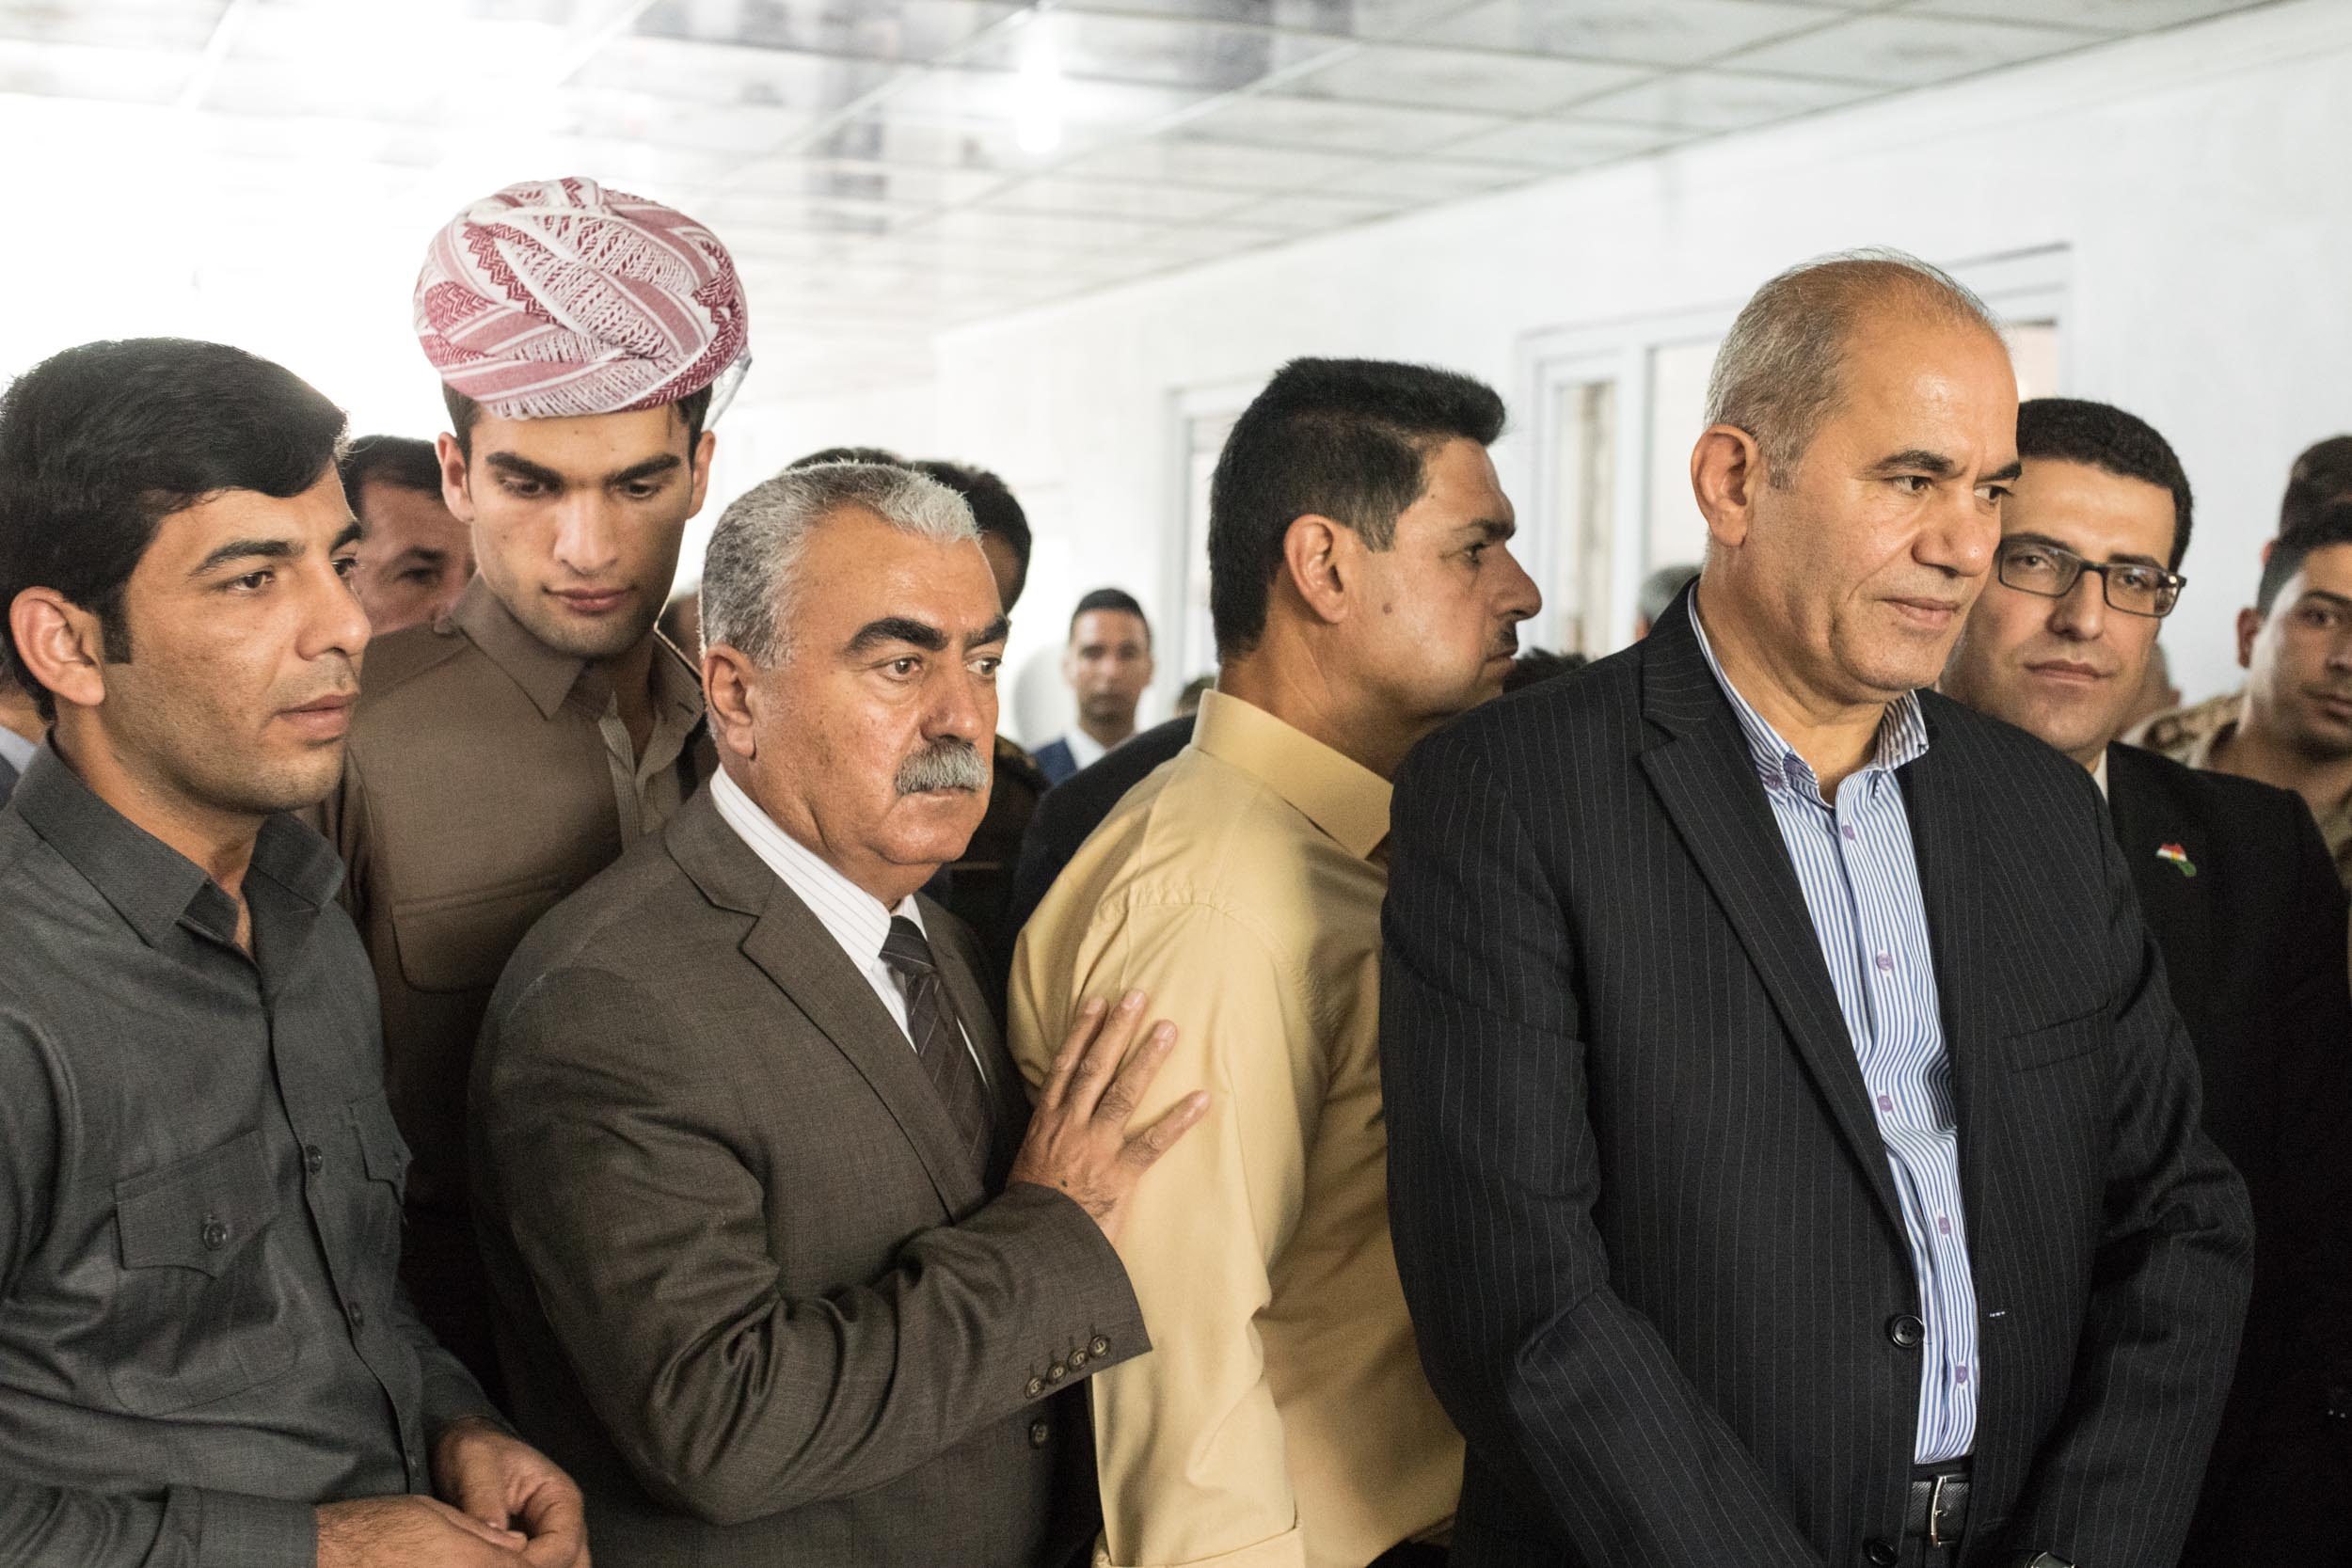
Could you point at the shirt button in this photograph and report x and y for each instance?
(1885, 962)
(1100, 1347)
(1881, 1554)
(214, 1235)
(1907, 1332)
(1847, 830)
(357, 1311)
(1041, 1433)
(313, 1158)
(1036, 1387)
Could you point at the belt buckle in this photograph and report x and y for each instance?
(1935, 1512)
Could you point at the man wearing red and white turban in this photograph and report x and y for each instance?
(507, 752)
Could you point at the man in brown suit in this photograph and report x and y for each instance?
(507, 752)
(770, 1275)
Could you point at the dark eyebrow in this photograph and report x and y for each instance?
(2130, 557)
(1494, 531)
(1919, 460)
(2002, 476)
(353, 532)
(995, 631)
(667, 463)
(523, 468)
(422, 555)
(248, 549)
(897, 628)
(2338, 599)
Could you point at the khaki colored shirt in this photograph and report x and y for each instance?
(1283, 1417)
(2191, 736)
(487, 777)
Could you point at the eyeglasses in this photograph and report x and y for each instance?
(2133, 587)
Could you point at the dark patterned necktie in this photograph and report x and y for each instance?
(939, 1040)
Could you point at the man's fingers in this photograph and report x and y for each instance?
(1120, 1100)
(1082, 1029)
(558, 1529)
(1146, 1147)
(1102, 1056)
(508, 1541)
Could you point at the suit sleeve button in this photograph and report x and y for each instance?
(1055, 1372)
(1037, 1386)
(1100, 1347)
(1881, 1554)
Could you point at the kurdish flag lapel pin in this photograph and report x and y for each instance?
(2178, 856)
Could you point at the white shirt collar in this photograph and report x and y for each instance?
(1084, 749)
(857, 920)
(2099, 773)
(15, 750)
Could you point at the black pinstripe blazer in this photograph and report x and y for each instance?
(1646, 1222)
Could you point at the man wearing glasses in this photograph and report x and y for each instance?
(2238, 891)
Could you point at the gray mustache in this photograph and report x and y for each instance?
(943, 765)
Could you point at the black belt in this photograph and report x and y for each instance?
(1937, 1512)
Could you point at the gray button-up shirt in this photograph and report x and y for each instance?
(201, 1334)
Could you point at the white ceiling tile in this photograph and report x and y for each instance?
(1158, 49)
(160, 25)
(908, 30)
(1309, 212)
(1426, 179)
(1654, 32)
(1340, 17)
(723, 74)
(1891, 49)
(1712, 101)
(1474, 79)
(1324, 125)
(2119, 16)
(1231, 166)
(93, 71)
(1559, 145)
(1115, 198)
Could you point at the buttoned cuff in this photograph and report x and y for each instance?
(237, 1531)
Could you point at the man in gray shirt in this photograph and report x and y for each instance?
(205, 1357)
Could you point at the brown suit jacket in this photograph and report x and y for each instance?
(749, 1290)
(477, 790)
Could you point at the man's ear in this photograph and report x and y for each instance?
(61, 644)
(699, 467)
(1726, 472)
(729, 695)
(457, 485)
(2249, 625)
(1315, 556)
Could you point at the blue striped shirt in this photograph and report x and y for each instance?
(1854, 861)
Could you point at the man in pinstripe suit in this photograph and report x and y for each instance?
(1793, 1150)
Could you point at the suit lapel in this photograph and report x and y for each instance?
(1008, 1095)
(1706, 782)
(1951, 837)
(792, 947)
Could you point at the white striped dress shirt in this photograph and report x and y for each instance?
(1854, 861)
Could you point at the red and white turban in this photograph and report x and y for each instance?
(559, 298)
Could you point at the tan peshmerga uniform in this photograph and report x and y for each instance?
(2189, 736)
(487, 777)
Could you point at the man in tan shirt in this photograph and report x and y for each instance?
(1363, 592)
(506, 752)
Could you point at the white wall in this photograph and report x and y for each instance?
(2197, 178)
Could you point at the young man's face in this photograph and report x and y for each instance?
(578, 521)
(2299, 658)
(245, 650)
(1108, 664)
(1440, 606)
(415, 557)
(2070, 670)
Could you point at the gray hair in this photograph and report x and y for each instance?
(748, 590)
(1779, 374)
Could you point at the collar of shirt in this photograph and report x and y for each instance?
(152, 885)
(854, 917)
(547, 676)
(15, 750)
(1902, 735)
(1346, 801)
(1085, 750)
(2099, 775)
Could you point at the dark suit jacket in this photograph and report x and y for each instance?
(1054, 760)
(2254, 949)
(7, 780)
(1643, 1210)
(749, 1289)
(1073, 809)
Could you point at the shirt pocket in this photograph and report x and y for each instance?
(383, 1154)
(202, 1312)
(458, 941)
